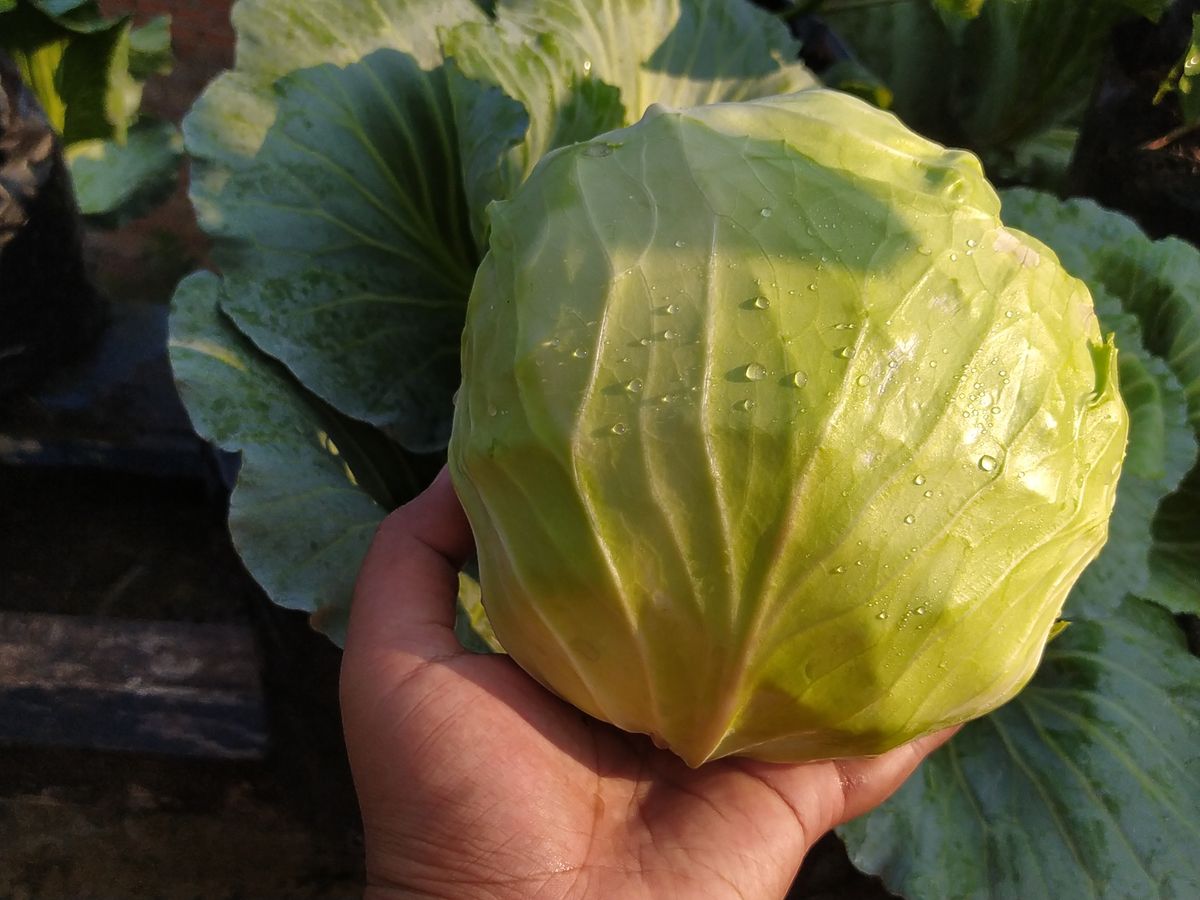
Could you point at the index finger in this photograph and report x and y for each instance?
(408, 582)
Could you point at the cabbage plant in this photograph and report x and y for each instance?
(1008, 79)
(87, 72)
(344, 170)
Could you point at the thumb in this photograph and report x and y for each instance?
(867, 782)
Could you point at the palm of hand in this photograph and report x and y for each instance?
(474, 781)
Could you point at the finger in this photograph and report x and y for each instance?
(867, 782)
(409, 580)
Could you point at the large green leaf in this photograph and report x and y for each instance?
(909, 47)
(116, 182)
(150, 48)
(335, 195)
(1158, 282)
(346, 249)
(1016, 69)
(1086, 785)
(227, 125)
(1175, 556)
(77, 68)
(577, 69)
(312, 486)
(1161, 449)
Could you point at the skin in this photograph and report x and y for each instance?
(476, 782)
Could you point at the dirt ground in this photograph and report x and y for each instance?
(78, 823)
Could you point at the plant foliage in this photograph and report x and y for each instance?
(87, 72)
(343, 168)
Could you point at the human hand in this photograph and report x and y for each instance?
(475, 781)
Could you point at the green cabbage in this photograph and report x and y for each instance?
(775, 441)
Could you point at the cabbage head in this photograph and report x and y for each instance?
(774, 440)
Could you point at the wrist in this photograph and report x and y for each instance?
(455, 892)
(459, 890)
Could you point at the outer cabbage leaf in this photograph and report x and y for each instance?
(581, 68)
(471, 624)
(1161, 449)
(116, 182)
(312, 486)
(228, 123)
(1085, 785)
(1017, 69)
(345, 244)
(1158, 282)
(673, 52)
(335, 197)
(539, 99)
